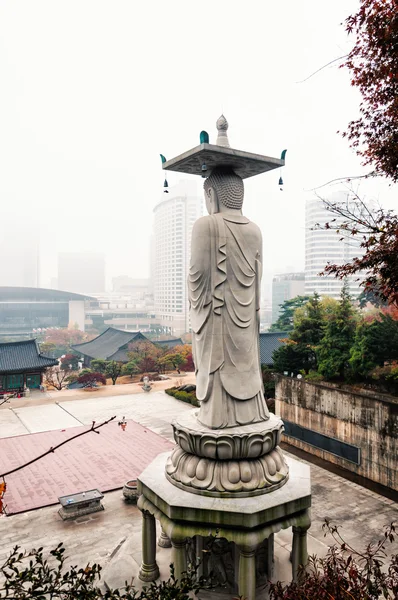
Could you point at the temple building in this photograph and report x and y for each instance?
(22, 366)
(113, 344)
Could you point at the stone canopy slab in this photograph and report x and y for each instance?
(245, 164)
(246, 513)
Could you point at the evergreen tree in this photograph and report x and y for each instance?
(334, 349)
(298, 353)
(286, 313)
(374, 344)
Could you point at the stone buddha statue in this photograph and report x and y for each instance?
(224, 293)
(230, 446)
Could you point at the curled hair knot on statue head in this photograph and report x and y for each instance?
(228, 186)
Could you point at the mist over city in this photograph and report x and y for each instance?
(198, 264)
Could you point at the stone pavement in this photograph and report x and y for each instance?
(113, 537)
(103, 461)
(154, 410)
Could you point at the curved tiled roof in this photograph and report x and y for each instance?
(106, 345)
(23, 356)
(112, 344)
(269, 342)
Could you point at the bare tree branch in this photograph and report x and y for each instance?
(347, 179)
(93, 428)
(324, 67)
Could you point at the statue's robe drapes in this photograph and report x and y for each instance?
(224, 293)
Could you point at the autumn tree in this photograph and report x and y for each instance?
(174, 359)
(62, 340)
(70, 362)
(90, 379)
(147, 365)
(346, 573)
(56, 377)
(373, 66)
(189, 364)
(144, 349)
(376, 265)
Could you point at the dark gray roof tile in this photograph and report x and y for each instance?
(268, 343)
(23, 356)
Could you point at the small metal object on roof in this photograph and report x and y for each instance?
(245, 164)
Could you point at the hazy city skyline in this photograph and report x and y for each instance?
(93, 93)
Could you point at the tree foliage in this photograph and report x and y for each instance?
(31, 575)
(56, 377)
(112, 370)
(299, 350)
(70, 362)
(90, 379)
(335, 345)
(131, 368)
(373, 65)
(286, 312)
(174, 359)
(345, 573)
(62, 340)
(376, 266)
(98, 365)
(375, 343)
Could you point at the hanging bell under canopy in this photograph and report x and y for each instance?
(280, 181)
(166, 185)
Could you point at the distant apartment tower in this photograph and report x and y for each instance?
(286, 286)
(81, 272)
(323, 246)
(125, 284)
(19, 257)
(174, 217)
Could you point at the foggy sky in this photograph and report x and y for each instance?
(93, 91)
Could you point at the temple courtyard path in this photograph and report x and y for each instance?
(113, 537)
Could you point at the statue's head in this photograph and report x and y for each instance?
(224, 188)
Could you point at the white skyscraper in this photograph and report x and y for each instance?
(174, 217)
(323, 246)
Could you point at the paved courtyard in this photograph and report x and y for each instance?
(113, 537)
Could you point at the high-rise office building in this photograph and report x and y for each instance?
(323, 246)
(174, 217)
(285, 286)
(20, 260)
(81, 272)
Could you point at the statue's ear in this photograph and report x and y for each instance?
(213, 200)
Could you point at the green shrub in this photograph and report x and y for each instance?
(188, 397)
(314, 376)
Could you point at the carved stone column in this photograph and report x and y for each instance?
(247, 573)
(199, 554)
(149, 570)
(270, 556)
(164, 540)
(179, 556)
(299, 549)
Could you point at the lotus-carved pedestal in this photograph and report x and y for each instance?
(233, 462)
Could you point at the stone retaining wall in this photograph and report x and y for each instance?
(363, 419)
